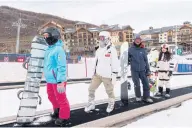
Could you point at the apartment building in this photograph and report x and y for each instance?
(157, 36)
(82, 39)
(185, 36)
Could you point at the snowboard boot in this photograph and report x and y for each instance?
(90, 106)
(138, 99)
(55, 114)
(148, 100)
(110, 106)
(167, 95)
(160, 91)
(61, 122)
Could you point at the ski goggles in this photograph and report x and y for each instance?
(46, 35)
(101, 38)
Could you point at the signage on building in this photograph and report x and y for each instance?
(20, 59)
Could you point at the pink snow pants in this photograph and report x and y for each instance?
(58, 101)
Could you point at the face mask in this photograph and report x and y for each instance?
(50, 40)
(102, 44)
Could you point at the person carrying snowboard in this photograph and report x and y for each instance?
(164, 70)
(137, 57)
(55, 75)
(105, 71)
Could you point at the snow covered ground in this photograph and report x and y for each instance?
(77, 93)
(14, 72)
(172, 118)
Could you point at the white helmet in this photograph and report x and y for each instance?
(104, 38)
(105, 34)
(165, 46)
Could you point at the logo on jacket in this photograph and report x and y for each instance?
(59, 57)
(107, 55)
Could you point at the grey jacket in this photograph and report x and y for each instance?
(138, 60)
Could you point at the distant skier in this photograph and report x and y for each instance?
(164, 69)
(137, 57)
(105, 70)
(55, 75)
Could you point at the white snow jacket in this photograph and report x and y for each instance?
(164, 68)
(106, 61)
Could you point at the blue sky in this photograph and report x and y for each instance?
(140, 14)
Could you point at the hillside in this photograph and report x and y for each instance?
(33, 20)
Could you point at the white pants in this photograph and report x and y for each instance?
(163, 79)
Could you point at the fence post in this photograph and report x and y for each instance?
(86, 66)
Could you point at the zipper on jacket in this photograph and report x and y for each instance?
(54, 75)
(138, 58)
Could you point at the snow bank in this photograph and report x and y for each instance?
(171, 118)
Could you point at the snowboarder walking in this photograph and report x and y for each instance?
(105, 70)
(164, 69)
(137, 57)
(55, 75)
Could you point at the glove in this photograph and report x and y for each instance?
(114, 78)
(148, 73)
(61, 87)
(170, 73)
(153, 64)
(156, 73)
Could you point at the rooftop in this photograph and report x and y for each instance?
(158, 30)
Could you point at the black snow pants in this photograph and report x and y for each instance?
(136, 76)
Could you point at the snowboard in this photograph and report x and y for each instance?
(125, 85)
(29, 99)
(153, 83)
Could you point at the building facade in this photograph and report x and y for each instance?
(82, 40)
(185, 36)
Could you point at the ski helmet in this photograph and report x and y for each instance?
(166, 46)
(104, 38)
(53, 35)
(53, 32)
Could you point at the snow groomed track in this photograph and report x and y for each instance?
(78, 116)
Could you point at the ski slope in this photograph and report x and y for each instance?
(172, 118)
(76, 93)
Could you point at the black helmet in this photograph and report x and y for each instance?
(53, 32)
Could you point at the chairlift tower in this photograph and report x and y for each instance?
(19, 25)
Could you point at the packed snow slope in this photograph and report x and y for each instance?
(179, 117)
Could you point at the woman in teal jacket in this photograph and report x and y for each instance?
(55, 75)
